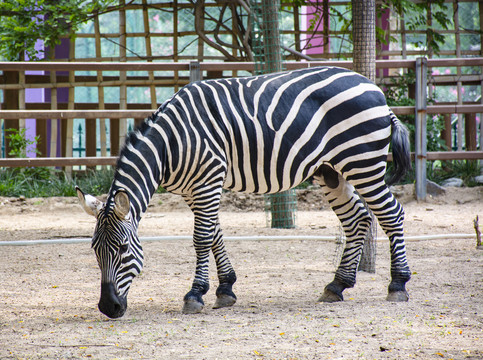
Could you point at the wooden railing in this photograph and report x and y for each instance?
(195, 71)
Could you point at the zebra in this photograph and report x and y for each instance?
(259, 134)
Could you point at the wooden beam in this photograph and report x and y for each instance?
(112, 160)
(58, 162)
(72, 114)
(180, 66)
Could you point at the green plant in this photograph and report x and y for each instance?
(23, 22)
(466, 170)
(397, 94)
(416, 19)
(94, 182)
(18, 142)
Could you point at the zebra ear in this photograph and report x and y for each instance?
(122, 205)
(89, 203)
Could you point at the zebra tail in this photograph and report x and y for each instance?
(400, 149)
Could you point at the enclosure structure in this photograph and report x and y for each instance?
(182, 41)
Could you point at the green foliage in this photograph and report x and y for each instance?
(45, 182)
(465, 170)
(397, 95)
(29, 182)
(94, 182)
(23, 22)
(416, 18)
(18, 142)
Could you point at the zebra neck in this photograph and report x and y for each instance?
(141, 167)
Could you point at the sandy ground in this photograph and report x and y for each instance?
(49, 293)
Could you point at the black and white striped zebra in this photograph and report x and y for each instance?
(261, 134)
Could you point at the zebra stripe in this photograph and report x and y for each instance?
(266, 134)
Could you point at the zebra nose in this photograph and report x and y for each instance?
(110, 303)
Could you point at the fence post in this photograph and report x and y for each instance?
(195, 71)
(420, 148)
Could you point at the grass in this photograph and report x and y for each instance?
(47, 182)
(438, 171)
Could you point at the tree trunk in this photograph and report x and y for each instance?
(364, 58)
(364, 35)
(282, 205)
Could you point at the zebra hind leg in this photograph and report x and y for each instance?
(355, 220)
(390, 215)
(225, 296)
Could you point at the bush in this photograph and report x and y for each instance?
(45, 182)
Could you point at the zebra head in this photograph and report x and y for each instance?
(117, 247)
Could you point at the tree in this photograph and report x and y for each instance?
(364, 58)
(23, 22)
(364, 37)
(267, 53)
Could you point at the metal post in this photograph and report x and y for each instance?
(421, 148)
(195, 71)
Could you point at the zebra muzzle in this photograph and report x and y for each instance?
(111, 304)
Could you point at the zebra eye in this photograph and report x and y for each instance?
(124, 248)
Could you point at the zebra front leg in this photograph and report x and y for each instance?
(203, 234)
(207, 237)
(355, 221)
(193, 300)
(225, 296)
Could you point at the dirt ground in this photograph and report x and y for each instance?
(49, 293)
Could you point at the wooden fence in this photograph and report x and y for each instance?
(185, 72)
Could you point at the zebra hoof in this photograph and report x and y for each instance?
(397, 296)
(330, 297)
(224, 301)
(192, 306)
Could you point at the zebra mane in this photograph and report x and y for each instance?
(132, 137)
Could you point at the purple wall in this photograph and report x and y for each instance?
(33, 96)
(44, 96)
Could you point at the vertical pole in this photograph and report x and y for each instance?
(21, 98)
(326, 30)
(268, 58)
(149, 54)
(470, 132)
(480, 7)
(446, 132)
(364, 60)
(53, 106)
(122, 74)
(195, 71)
(69, 137)
(10, 103)
(458, 74)
(420, 156)
(402, 24)
(100, 89)
(364, 35)
(175, 42)
(296, 18)
(271, 36)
